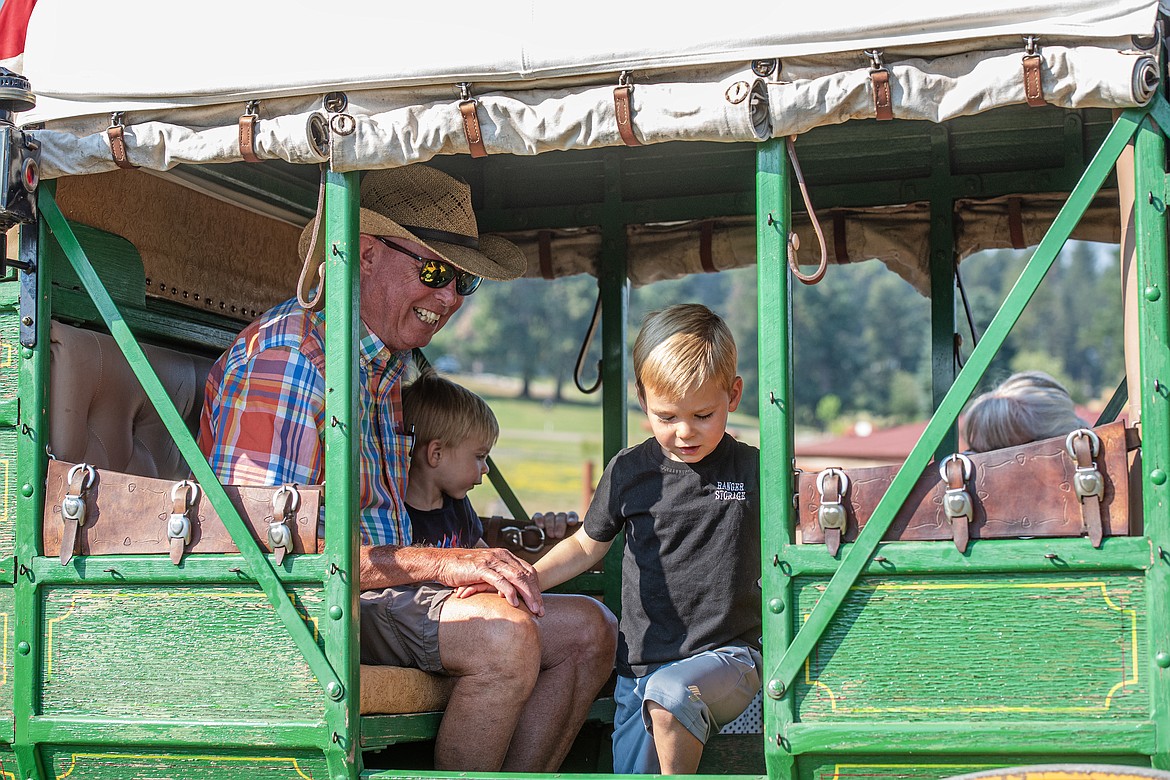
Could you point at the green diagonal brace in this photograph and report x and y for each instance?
(258, 564)
(859, 553)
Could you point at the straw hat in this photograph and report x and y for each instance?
(425, 205)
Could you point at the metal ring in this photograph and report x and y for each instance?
(968, 466)
(291, 489)
(539, 532)
(342, 124)
(840, 474)
(192, 491)
(90, 475)
(1094, 442)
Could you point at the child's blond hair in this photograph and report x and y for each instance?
(440, 410)
(682, 347)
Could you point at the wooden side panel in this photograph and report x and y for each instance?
(979, 648)
(926, 767)
(7, 764)
(92, 763)
(7, 648)
(212, 653)
(9, 379)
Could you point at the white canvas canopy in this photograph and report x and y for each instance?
(180, 75)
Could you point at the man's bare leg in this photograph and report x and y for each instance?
(578, 643)
(678, 749)
(493, 651)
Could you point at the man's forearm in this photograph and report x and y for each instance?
(386, 566)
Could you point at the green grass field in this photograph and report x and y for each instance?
(545, 448)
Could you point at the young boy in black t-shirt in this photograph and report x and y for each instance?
(454, 430)
(688, 499)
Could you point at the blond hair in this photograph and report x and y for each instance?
(440, 410)
(1025, 407)
(682, 347)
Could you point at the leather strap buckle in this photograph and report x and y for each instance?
(116, 133)
(879, 77)
(247, 131)
(73, 507)
(832, 484)
(1033, 81)
(285, 503)
(183, 497)
(956, 471)
(623, 97)
(1083, 446)
(469, 108)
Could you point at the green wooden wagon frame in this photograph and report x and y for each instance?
(584, 138)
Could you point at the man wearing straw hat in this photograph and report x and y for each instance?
(526, 668)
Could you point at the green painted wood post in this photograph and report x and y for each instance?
(942, 279)
(31, 463)
(774, 302)
(1154, 329)
(342, 251)
(615, 303)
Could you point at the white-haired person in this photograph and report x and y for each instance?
(1027, 406)
(527, 667)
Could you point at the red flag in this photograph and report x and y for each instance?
(14, 16)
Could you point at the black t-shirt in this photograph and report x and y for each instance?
(692, 554)
(455, 524)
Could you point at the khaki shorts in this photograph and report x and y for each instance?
(400, 626)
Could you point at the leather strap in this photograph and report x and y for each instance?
(623, 96)
(1016, 224)
(706, 233)
(118, 147)
(124, 511)
(1021, 491)
(70, 526)
(1033, 83)
(469, 110)
(840, 247)
(179, 543)
(961, 525)
(248, 138)
(311, 283)
(544, 239)
(883, 104)
(1090, 505)
(832, 495)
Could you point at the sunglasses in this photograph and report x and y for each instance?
(437, 273)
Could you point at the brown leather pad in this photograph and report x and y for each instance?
(128, 514)
(1018, 491)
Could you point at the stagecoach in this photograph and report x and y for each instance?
(957, 614)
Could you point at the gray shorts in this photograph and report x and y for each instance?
(400, 626)
(703, 692)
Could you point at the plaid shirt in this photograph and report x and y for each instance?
(263, 416)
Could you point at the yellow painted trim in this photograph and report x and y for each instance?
(183, 757)
(4, 652)
(1109, 603)
(154, 594)
(838, 767)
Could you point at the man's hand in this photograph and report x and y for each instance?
(556, 525)
(469, 571)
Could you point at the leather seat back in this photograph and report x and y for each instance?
(99, 413)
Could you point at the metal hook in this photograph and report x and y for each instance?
(875, 59)
(585, 348)
(464, 90)
(626, 79)
(1030, 44)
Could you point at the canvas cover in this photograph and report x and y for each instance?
(543, 76)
